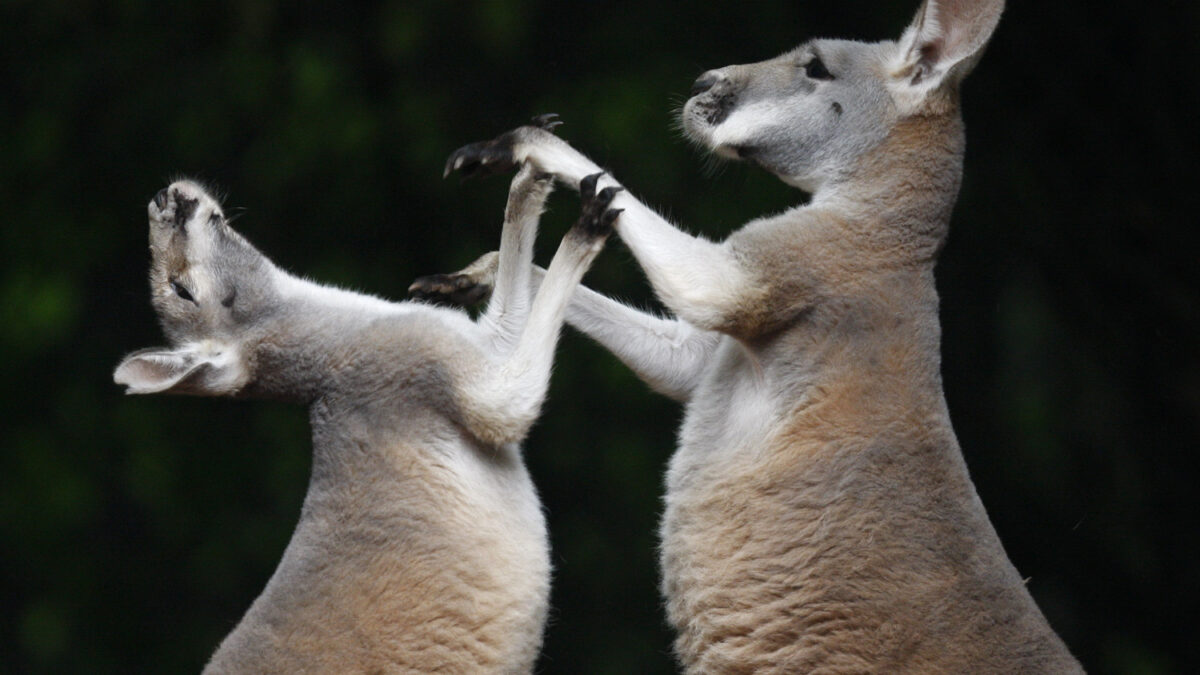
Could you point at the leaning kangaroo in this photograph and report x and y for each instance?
(819, 515)
(421, 546)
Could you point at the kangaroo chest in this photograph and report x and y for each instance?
(730, 417)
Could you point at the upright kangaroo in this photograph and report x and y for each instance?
(421, 546)
(819, 516)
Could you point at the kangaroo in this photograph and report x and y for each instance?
(819, 516)
(421, 546)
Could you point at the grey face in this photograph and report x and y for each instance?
(804, 116)
(206, 281)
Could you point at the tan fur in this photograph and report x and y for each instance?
(403, 561)
(421, 546)
(819, 515)
(846, 536)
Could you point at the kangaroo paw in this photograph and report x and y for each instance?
(549, 121)
(596, 220)
(457, 290)
(495, 156)
(463, 288)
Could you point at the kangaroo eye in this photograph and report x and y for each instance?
(182, 292)
(816, 70)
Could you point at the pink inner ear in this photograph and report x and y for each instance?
(954, 11)
(950, 32)
(962, 23)
(142, 369)
(150, 368)
(146, 369)
(931, 51)
(928, 55)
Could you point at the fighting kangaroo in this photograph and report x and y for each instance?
(819, 515)
(421, 546)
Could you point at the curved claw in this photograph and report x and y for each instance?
(548, 121)
(606, 195)
(455, 161)
(597, 219)
(496, 155)
(481, 158)
(587, 186)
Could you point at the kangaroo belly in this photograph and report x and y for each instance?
(416, 586)
(799, 565)
(841, 534)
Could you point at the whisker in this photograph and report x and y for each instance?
(235, 212)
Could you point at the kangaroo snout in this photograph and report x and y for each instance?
(181, 201)
(705, 82)
(712, 98)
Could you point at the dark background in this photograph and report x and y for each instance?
(134, 531)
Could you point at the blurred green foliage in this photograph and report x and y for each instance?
(135, 531)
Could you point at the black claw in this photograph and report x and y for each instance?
(486, 157)
(609, 217)
(496, 155)
(587, 186)
(606, 195)
(596, 219)
(548, 121)
(449, 289)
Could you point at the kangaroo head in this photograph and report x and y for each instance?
(210, 289)
(810, 115)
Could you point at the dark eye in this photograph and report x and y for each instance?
(816, 70)
(182, 292)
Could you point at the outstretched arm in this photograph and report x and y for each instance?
(508, 309)
(501, 402)
(669, 355)
(700, 281)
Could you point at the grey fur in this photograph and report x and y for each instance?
(421, 546)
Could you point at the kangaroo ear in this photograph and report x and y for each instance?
(185, 370)
(945, 41)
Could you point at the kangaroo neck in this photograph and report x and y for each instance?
(904, 188)
(300, 351)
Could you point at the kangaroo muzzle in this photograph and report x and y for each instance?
(713, 97)
(184, 208)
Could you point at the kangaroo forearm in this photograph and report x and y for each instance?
(699, 280)
(669, 355)
(511, 395)
(510, 301)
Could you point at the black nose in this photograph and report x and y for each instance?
(160, 199)
(704, 83)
